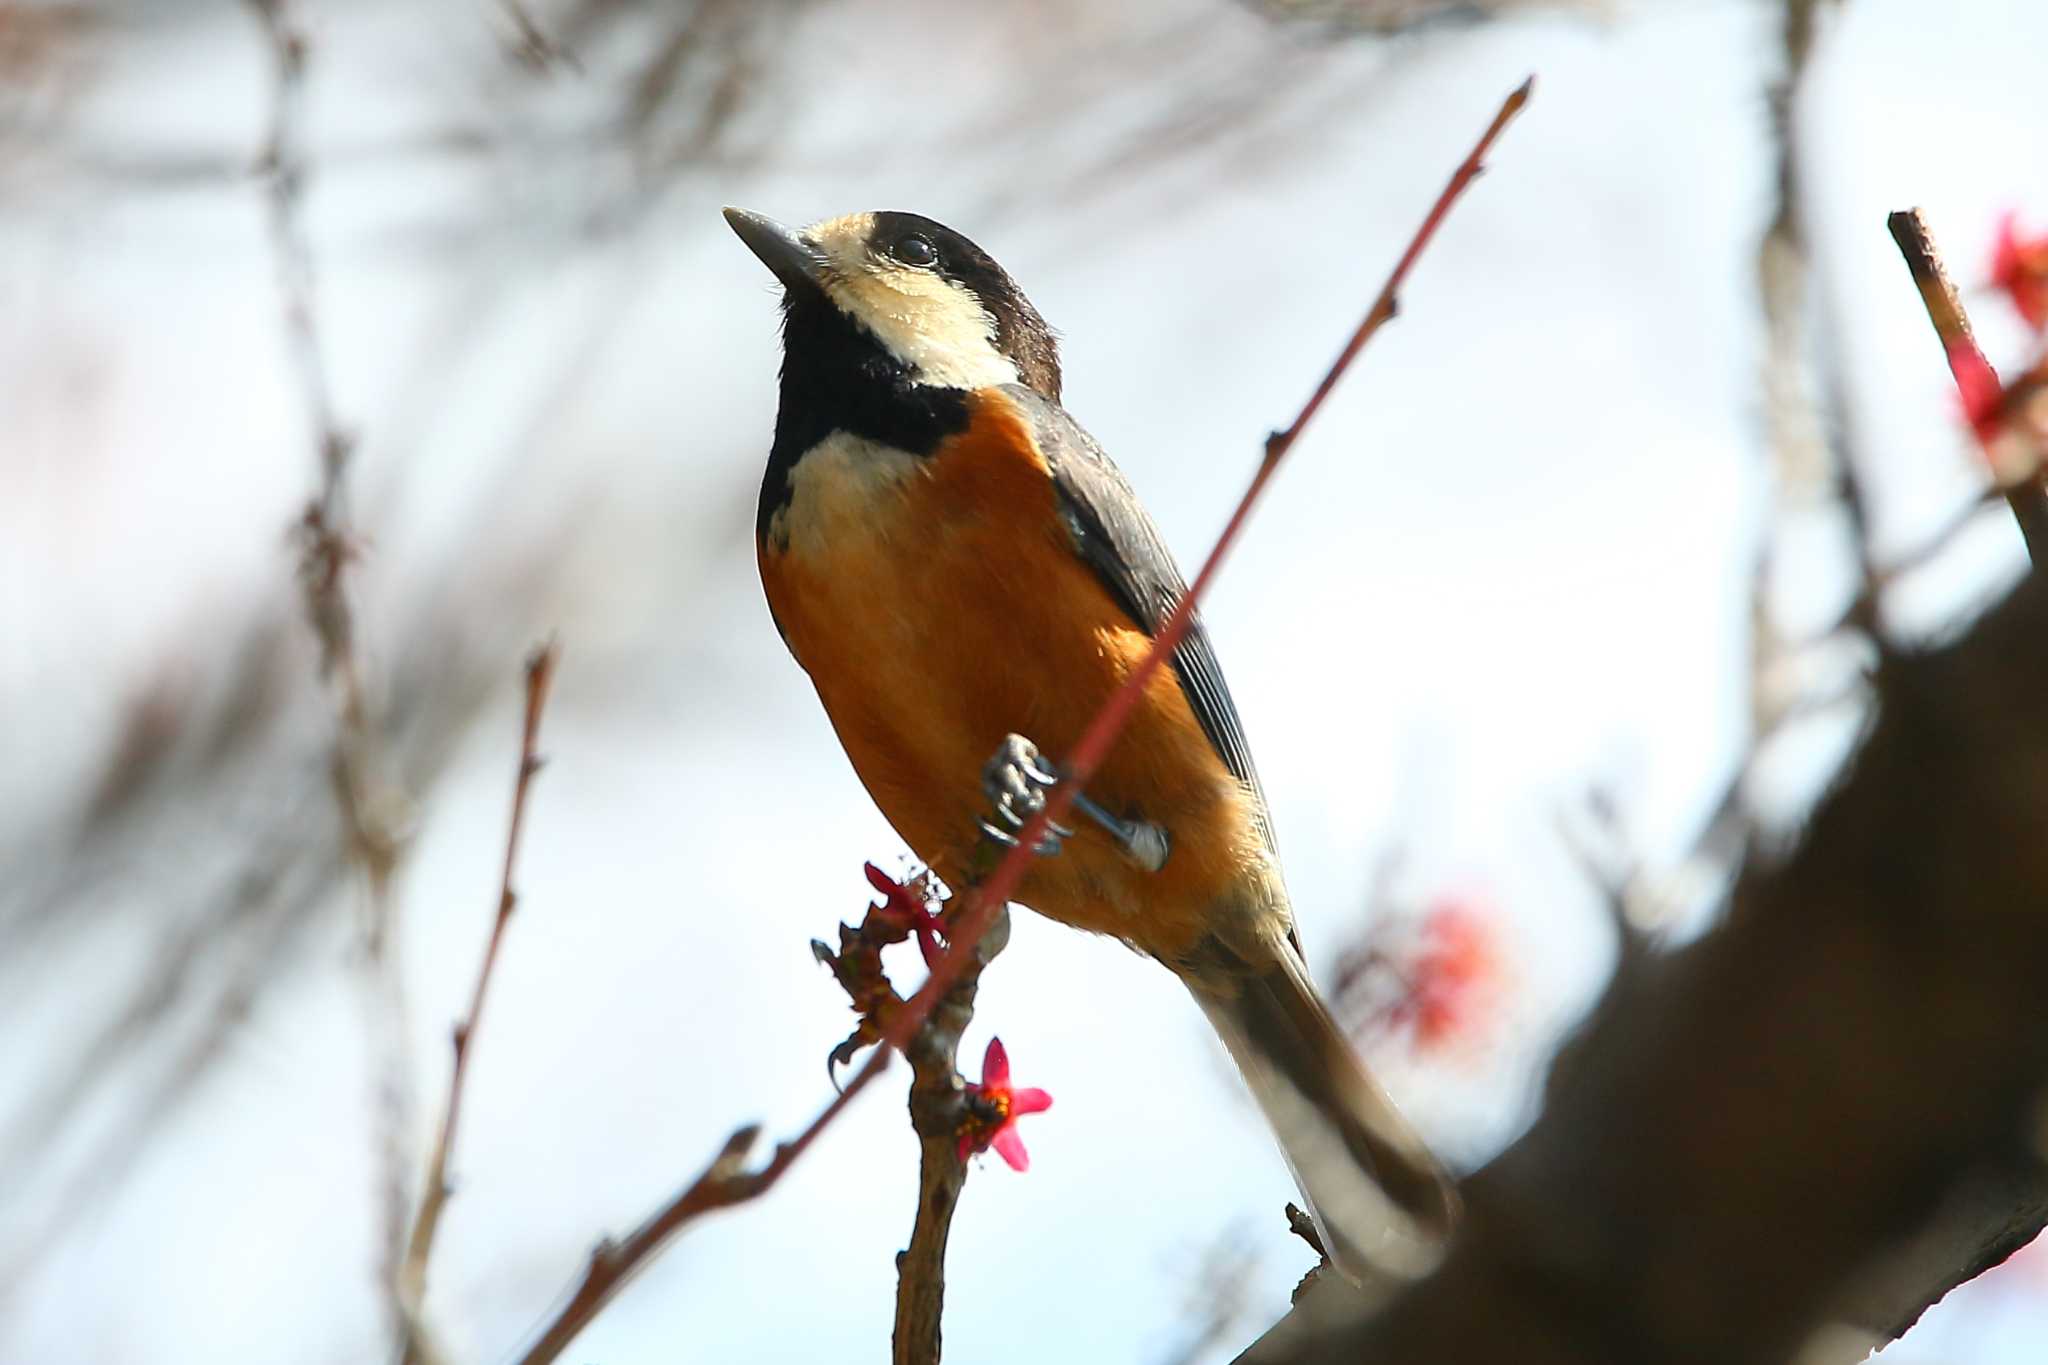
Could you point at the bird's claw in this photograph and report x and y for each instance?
(1016, 779)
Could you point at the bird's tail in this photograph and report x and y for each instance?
(1380, 1200)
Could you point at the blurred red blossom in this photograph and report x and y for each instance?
(906, 910)
(1451, 977)
(2010, 420)
(1977, 384)
(1436, 978)
(993, 1108)
(2019, 266)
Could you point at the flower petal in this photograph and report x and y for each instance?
(2005, 250)
(1029, 1100)
(995, 1066)
(928, 944)
(1978, 383)
(1010, 1148)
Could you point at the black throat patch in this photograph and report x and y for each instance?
(837, 377)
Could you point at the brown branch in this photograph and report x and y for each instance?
(2028, 499)
(1807, 467)
(1753, 1127)
(372, 809)
(725, 1182)
(1796, 441)
(328, 541)
(937, 1110)
(412, 1275)
(611, 1264)
(921, 1267)
(938, 1115)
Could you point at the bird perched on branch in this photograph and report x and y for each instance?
(967, 577)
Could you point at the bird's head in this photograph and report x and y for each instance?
(933, 306)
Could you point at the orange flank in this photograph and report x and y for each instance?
(938, 604)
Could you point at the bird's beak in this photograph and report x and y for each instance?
(792, 256)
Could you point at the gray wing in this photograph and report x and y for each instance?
(1116, 539)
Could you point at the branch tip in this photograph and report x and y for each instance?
(437, 1188)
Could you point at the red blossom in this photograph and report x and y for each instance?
(2019, 266)
(2010, 420)
(1451, 977)
(907, 911)
(1434, 978)
(1978, 385)
(993, 1108)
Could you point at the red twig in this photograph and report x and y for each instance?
(610, 1264)
(412, 1286)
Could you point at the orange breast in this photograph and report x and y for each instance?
(938, 605)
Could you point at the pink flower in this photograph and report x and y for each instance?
(2019, 266)
(910, 913)
(993, 1108)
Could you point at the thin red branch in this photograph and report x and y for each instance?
(412, 1286)
(610, 1264)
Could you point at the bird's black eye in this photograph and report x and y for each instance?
(915, 250)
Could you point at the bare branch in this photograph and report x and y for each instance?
(372, 810)
(724, 1183)
(327, 536)
(412, 1281)
(938, 1115)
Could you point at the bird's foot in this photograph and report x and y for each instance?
(1017, 778)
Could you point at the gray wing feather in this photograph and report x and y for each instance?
(1116, 539)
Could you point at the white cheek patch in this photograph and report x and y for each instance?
(935, 327)
(838, 495)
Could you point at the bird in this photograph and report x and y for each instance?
(966, 577)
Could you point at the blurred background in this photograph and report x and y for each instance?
(1518, 630)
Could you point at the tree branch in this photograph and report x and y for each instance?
(938, 1115)
(1749, 1125)
(434, 1192)
(937, 1107)
(371, 808)
(2028, 499)
(1816, 1114)
(327, 535)
(723, 1183)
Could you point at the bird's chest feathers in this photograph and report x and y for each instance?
(933, 584)
(848, 496)
(865, 519)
